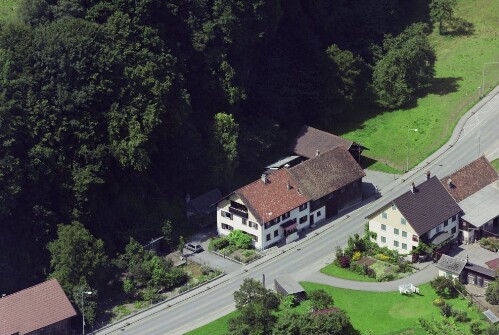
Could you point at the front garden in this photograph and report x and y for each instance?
(236, 246)
(364, 260)
(490, 243)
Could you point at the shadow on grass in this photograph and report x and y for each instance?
(459, 27)
(444, 86)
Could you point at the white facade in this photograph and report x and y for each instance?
(264, 235)
(394, 231)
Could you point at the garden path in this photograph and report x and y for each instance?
(426, 274)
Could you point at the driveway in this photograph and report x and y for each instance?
(206, 257)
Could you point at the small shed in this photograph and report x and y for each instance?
(479, 275)
(286, 285)
(451, 267)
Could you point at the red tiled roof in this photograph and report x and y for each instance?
(493, 264)
(34, 308)
(310, 139)
(470, 179)
(270, 200)
(327, 173)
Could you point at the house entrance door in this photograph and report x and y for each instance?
(311, 220)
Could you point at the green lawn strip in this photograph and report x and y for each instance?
(397, 312)
(460, 62)
(495, 164)
(7, 8)
(338, 272)
(217, 327)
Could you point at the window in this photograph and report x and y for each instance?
(285, 216)
(318, 213)
(415, 238)
(303, 219)
(395, 231)
(453, 230)
(404, 234)
(396, 244)
(276, 233)
(226, 215)
(446, 223)
(303, 207)
(227, 227)
(394, 207)
(268, 237)
(384, 215)
(438, 229)
(404, 246)
(383, 227)
(454, 218)
(253, 225)
(403, 221)
(244, 221)
(383, 239)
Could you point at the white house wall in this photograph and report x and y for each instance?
(388, 237)
(237, 222)
(447, 228)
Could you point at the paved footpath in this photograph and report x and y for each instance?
(418, 278)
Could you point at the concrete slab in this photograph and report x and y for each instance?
(477, 255)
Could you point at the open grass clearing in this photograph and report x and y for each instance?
(459, 67)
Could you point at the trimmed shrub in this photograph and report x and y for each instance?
(460, 316)
(446, 310)
(356, 256)
(344, 261)
(438, 302)
(206, 270)
(386, 277)
(240, 239)
(218, 243)
(371, 273)
(382, 257)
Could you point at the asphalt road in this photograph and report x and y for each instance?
(476, 133)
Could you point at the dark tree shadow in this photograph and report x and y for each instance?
(459, 27)
(443, 86)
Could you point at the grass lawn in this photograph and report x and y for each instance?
(495, 163)
(7, 8)
(389, 312)
(336, 271)
(460, 62)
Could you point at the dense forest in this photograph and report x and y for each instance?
(111, 111)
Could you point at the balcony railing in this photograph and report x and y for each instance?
(238, 212)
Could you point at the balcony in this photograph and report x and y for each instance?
(238, 212)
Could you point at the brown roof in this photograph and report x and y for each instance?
(310, 139)
(270, 200)
(428, 206)
(470, 179)
(326, 173)
(34, 308)
(493, 264)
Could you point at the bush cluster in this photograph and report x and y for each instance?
(490, 243)
(438, 302)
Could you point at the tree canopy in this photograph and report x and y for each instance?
(112, 111)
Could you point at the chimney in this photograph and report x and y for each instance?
(288, 185)
(317, 152)
(449, 183)
(428, 175)
(467, 259)
(264, 178)
(413, 188)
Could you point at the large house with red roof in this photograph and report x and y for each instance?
(283, 202)
(38, 310)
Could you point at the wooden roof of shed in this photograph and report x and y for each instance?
(326, 173)
(310, 139)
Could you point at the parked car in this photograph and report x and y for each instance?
(194, 247)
